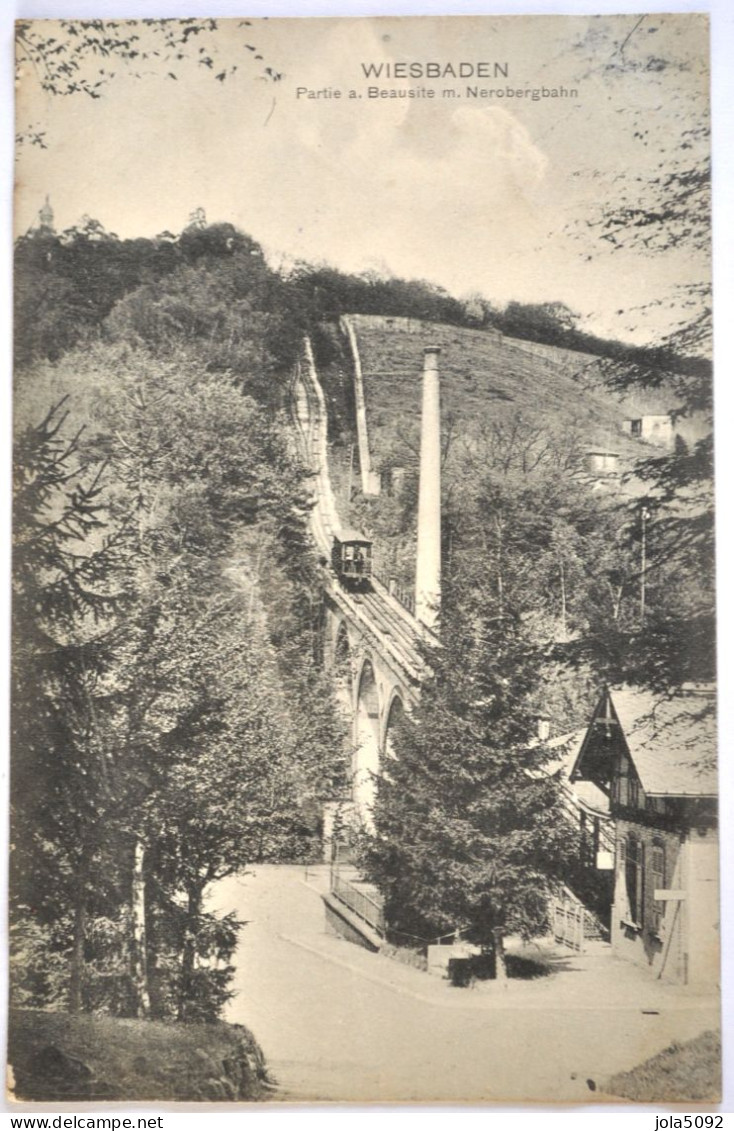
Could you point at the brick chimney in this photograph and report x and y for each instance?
(428, 563)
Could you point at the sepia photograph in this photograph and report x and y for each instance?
(363, 727)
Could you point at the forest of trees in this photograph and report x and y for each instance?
(170, 723)
(68, 283)
(166, 689)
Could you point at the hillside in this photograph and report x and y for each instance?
(486, 379)
(517, 407)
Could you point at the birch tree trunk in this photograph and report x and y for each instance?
(138, 955)
(188, 955)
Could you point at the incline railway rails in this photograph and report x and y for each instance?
(364, 599)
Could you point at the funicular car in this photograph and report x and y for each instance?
(351, 558)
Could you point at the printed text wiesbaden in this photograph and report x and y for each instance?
(426, 70)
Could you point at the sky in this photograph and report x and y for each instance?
(480, 195)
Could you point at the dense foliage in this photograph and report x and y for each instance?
(546, 596)
(211, 288)
(165, 691)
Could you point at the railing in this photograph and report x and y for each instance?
(568, 924)
(573, 924)
(406, 599)
(574, 809)
(402, 595)
(362, 904)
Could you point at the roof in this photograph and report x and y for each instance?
(651, 416)
(349, 534)
(566, 748)
(587, 793)
(671, 740)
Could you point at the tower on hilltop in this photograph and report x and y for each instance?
(46, 217)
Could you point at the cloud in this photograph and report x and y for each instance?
(449, 203)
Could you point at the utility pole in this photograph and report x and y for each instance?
(644, 516)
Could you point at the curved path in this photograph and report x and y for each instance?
(338, 1023)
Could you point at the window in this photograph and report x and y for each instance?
(657, 876)
(633, 878)
(636, 427)
(635, 793)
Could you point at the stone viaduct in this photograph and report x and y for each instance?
(372, 641)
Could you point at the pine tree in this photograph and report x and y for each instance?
(64, 598)
(469, 831)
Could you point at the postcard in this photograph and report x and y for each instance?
(364, 681)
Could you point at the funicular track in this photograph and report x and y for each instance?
(394, 630)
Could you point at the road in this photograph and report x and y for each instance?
(338, 1023)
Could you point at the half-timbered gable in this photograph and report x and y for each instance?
(654, 758)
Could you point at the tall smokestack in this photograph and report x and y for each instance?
(428, 564)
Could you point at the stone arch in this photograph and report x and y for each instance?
(394, 714)
(366, 762)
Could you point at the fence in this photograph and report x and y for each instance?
(403, 596)
(573, 924)
(568, 924)
(360, 902)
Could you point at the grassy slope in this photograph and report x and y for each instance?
(123, 1059)
(484, 378)
(686, 1072)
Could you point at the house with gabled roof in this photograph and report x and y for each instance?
(654, 756)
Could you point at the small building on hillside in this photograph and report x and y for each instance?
(655, 759)
(649, 415)
(656, 417)
(654, 428)
(601, 464)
